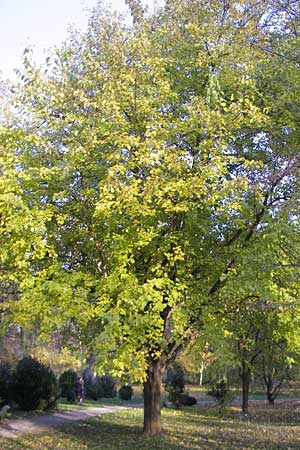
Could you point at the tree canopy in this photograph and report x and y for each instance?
(151, 172)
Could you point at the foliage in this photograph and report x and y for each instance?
(219, 390)
(274, 366)
(67, 382)
(59, 360)
(175, 386)
(184, 399)
(125, 392)
(196, 357)
(94, 390)
(175, 382)
(108, 384)
(70, 396)
(5, 380)
(104, 386)
(33, 385)
(149, 180)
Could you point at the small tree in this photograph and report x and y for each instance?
(274, 367)
(219, 390)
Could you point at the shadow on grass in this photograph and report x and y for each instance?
(190, 429)
(182, 431)
(262, 414)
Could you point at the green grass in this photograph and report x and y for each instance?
(64, 405)
(200, 428)
(256, 393)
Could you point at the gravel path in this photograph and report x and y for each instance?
(46, 423)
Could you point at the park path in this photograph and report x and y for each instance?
(46, 423)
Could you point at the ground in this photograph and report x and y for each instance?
(198, 428)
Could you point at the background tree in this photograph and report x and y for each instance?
(274, 368)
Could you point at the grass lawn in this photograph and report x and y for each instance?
(195, 428)
(64, 405)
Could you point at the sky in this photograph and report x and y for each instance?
(40, 24)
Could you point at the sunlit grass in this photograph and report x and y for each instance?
(193, 428)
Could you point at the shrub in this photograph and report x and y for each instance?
(67, 383)
(175, 382)
(175, 386)
(33, 385)
(71, 397)
(5, 380)
(109, 386)
(185, 399)
(219, 390)
(94, 390)
(101, 387)
(125, 392)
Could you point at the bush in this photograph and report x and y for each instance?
(219, 390)
(67, 383)
(109, 386)
(94, 391)
(101, 387)
(126, 392)
(71, 397)
(175, 386)
(175, 382)
(186, 400)
(5, 380)
(33, 385)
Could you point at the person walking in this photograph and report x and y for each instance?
(79, 389)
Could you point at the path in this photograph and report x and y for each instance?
(46, 423)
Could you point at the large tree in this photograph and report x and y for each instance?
(145, 158)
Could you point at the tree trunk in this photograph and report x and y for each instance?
(89, 372)
(152, 397)
(245, 388)
(201, 374)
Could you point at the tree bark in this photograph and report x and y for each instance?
(245, 388)
(152, 397)
(201, 374)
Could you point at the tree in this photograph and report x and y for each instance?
(275, 368)
(196, 357)
(258, 315)
(145, 162)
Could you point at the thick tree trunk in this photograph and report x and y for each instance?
(152, 397)
(245, 388)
